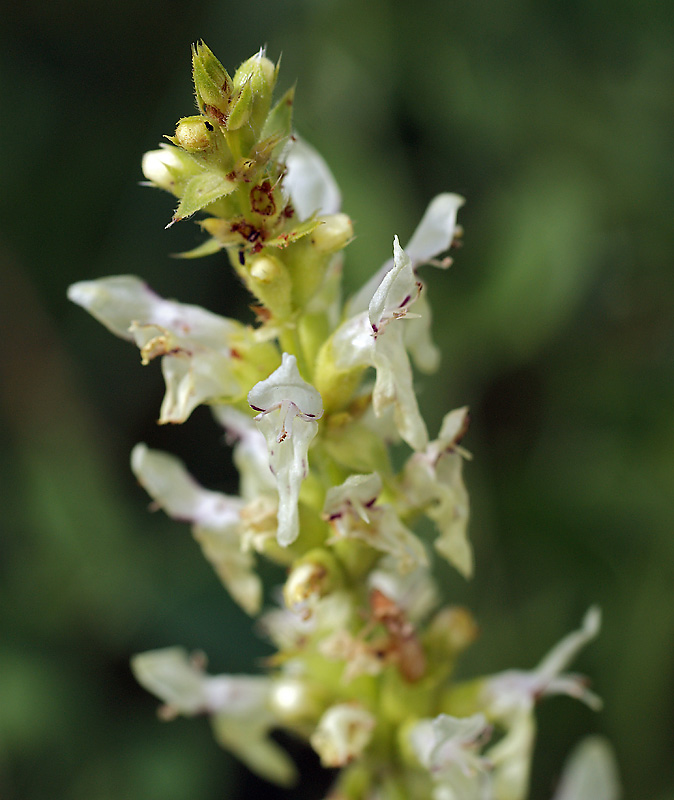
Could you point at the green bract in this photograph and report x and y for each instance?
(311, 396)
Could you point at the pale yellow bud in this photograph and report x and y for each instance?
(335, 232)
(194, 134)
(169, 168)
(266, 270)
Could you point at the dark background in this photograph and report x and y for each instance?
(554, 120)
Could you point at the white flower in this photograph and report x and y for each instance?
(448, 747)
(169, 168)
(590, 773)
(238, 705)
(215, 518)
(350, 508)
(433, 482)
(343, 732)
(509, 693)
(375, 338)
(509, 698)
(289, 409)
(195, 344)
(309, 182)
(433, 235)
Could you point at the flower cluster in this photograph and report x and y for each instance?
(312, 394)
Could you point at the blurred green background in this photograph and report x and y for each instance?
(555, 120)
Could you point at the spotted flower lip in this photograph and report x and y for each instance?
(289, 409)
(352, 511)
(376, 338)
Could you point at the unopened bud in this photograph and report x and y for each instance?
(343, 732)
(169, 168)
(268, 279)
(253, 86)
(212, 84)
(315, 576)
(452, 630)
(266, 269)
(194, 134)
(259, 70)
(335, 232)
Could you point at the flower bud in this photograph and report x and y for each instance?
(269, 281)
(313, 577)
(253, 86)
(194, 134)
(259, 71)
(343, 732)
(169, 168)
(335, 232)
(212, 84)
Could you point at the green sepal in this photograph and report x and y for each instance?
(290, 237)
(212, 83)
(279, 119)
(206, 248)
(200, 191)
(240, 108)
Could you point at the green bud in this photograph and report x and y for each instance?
(259, 71)
(212, 84)
(253, 86)
(268, 279)
(194, 134)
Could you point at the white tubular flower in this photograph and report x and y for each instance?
(343, 733)
(448, 747)
(238, 706)
(194, 343)
(433, 235)
(433, 482)
(309, 182)
(590, 773)
(289, 409)
(511, 692)
(215, 519)
(509, 698)
(374, 338)
(350, 508)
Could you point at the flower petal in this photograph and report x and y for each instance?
(194, 343)
(289, 409)
(309, 182)
(215, 518)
